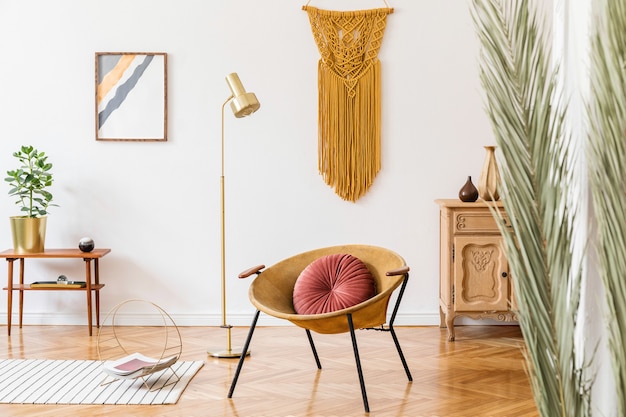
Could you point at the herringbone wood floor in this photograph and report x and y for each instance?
(480, 374)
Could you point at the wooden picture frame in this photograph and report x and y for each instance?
(131, 96)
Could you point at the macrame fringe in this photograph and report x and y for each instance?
(349, 144)
(349, 131)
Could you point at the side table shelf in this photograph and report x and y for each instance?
(92, 279)
(27, 287)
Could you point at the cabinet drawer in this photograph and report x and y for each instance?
(475, 222)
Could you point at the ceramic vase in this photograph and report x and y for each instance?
(489, 181)
(468, 193)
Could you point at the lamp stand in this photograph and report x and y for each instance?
(230, 351)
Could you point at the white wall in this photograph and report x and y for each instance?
(156, 205)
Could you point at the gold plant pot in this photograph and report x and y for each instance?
(29, 234)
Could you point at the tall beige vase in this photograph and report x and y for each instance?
(489, 181)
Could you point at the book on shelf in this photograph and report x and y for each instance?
(137, 364)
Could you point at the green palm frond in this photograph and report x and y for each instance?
(534, 158)
(607, 163)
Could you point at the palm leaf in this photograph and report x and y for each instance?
(533, 154)
(607, 156)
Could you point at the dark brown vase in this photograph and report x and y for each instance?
(468, 193)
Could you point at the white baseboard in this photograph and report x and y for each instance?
(244, 320)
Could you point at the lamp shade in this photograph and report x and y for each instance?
(243, 104)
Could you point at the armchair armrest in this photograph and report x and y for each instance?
(399, 271)
(250, 271)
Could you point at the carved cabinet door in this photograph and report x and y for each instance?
(481, 280)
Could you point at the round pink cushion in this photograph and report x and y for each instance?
(332, 283)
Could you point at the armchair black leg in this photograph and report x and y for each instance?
(358, 364)
(406, 366)
(243, 356)
(317, 359)
(393, 332)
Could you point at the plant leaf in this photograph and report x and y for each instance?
(527, 116)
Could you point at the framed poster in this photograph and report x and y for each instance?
(131, 96)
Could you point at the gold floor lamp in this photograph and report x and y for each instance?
(242, 104)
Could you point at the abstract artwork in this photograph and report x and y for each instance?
(131, 96)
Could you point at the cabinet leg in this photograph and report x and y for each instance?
(442, 318)
(450, 325)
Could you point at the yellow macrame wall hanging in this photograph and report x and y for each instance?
(349, 109)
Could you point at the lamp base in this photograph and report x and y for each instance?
(234, 352)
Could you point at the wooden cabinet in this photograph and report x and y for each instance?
(474, 276)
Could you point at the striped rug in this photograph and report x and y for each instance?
(39, 381)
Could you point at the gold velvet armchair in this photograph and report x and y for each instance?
(272, 293)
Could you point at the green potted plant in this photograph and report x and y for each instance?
(29, 183)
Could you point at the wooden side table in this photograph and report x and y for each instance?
(11, 256)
